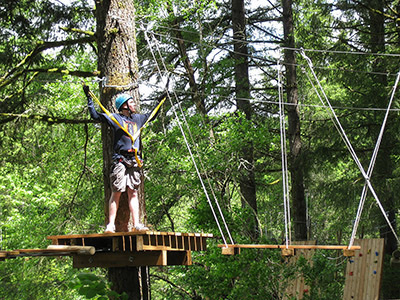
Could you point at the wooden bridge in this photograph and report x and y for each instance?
(121, 249)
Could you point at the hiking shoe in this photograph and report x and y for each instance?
(140, 227)
(110, 228)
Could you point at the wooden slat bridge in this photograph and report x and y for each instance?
(121, 249)
(232, 249)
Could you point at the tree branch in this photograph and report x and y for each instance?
(180, 289)
(77, 73)
(14, 73)
(43, 118)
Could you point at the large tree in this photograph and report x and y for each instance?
(296, 165)
(118, 65)
(242, 93)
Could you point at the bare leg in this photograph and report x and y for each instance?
(112, 210)
(134, 206)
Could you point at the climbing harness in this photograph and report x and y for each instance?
(366, 175)
(137, 133)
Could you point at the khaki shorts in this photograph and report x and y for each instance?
(122, 177)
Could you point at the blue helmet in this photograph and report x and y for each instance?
(121, 99)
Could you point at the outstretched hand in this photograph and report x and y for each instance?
(86, 90)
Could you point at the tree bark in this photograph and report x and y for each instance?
(295, 154)
(118, 65)
(242, 91)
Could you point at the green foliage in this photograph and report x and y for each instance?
(254, 274)
(390, 275)
(95, 287)
(324, 276)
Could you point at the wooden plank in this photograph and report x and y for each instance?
(130, 233)
(118, 259)
(6, 254)
(248, 246)
(94, 235)
(364, 271)
(134, 259)
(52, 250)
(293, 246)
(82, 250)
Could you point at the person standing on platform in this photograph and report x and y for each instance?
(127, 162)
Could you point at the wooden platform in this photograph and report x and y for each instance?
(121, 249)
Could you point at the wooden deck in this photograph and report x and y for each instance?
(121, 249)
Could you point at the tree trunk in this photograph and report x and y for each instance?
(118, 66)
(197, 91)
(190, 73)
(295, 154)
(242, 91)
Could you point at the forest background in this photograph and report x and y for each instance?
(51, 152)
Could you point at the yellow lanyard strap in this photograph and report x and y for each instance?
(137, 133)
(153, 113)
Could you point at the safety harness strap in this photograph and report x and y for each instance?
(153, 113)
(137, 133)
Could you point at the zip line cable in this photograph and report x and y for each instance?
(300, 105)
(351, 149)
(271, 61)
(348, 144)
(253, 57)
(198, 155)
(231, 39)
(186, 141)
(285, 178)
(372, 163)
(342, 52)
